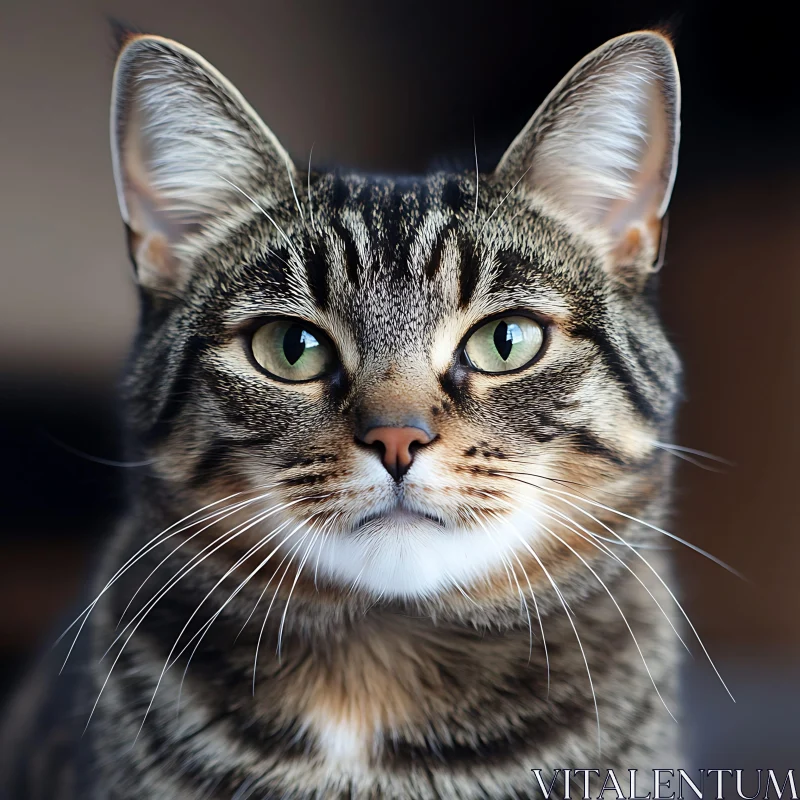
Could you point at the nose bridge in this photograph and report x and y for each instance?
(395, 397)
(393, 414)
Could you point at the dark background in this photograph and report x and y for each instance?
(396, 87)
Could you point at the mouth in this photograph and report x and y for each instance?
(398, 516)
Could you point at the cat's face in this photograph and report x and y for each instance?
(419, 376)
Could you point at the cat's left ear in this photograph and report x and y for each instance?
(604, 145)
(187, 152)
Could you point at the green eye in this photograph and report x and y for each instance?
(504, 344)
(292, 350)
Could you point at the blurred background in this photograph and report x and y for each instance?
(397, 87)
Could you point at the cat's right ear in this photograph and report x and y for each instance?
(188, 154)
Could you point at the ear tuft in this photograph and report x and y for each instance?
(604, 143)
(121, 34)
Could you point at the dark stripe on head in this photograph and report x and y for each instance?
(217, 458)
(435, 261)
(589, 444)
(396, 241)
(513, 268)
(339, 193)
(351, 260)
(306, 480)
(617, 367)
(454, 388)
(177, 392)
(210, 464)
(317, 273)
(470, 271)
(453, 195)
(642, 360)
(423, 196)
(274, 265)
(368, 199)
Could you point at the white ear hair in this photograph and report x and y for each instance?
(604, 143)
(186, 149)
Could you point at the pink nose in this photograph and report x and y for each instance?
(396, 444)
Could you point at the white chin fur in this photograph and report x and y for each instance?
(410, 557)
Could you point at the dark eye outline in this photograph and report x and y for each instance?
(462, 359)
(249, 331)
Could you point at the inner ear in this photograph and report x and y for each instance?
(188, 152)
(603, 145)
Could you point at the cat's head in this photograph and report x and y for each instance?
(421, 385)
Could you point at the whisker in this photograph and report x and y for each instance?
(589, 537)
(291, 590)
(201, 633)
(167, 662)
(229, 512)
(270, 252)
(503, 559)
(322, 544)
(691, 546)
(649, 525)
(299, 207)
(266, 585)
(291, 556)
(308, 188)
(560, 481)
(272, 535)
(356, 579)
(557, 495)
(151, 604)
(621, 612)
(572, 624)
(261, 209)
(682, 454)
(538, 616)
(509, 569)
(294, 191)
(106, 462)
(201, 556)
(146, 548)
(694, 452)
(488, 219)
(663, 583)
(460, 588)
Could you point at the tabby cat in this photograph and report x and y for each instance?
(396, 525)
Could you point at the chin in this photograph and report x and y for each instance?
(408, 556)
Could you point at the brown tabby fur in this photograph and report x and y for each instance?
(398, 680)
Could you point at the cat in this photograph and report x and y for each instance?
(395, 530)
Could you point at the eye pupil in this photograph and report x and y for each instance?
(503, 340)
(294, 344)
